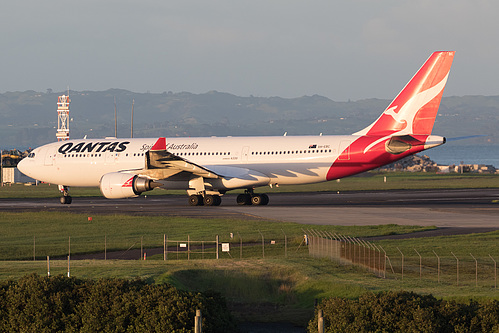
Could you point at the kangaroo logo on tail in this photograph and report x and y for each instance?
(414, 109)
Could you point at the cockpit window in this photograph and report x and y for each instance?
(31, 155)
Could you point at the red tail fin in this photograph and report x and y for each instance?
(414, 110)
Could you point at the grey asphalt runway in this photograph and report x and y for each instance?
(470, 208)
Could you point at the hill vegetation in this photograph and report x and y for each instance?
(59, 304)
(406, 311)
(29, 118)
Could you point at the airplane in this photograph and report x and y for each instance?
(208, 167)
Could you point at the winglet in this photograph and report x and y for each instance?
(159, 145)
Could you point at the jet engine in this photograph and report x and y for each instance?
(118, 185)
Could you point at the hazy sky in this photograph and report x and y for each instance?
(339, 49)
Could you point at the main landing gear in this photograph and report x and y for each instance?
(250, 198)
(207, 200)
(66, 198)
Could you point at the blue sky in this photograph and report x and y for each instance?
(339, 49)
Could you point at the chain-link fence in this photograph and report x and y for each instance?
(347, 250)
(158, 247)
(443, 267)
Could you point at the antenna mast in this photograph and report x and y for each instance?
(63, 118)
(115, 120)
(131, 131)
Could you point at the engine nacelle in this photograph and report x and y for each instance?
(118, 185)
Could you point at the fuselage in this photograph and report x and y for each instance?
(280, 160)
(285, 160)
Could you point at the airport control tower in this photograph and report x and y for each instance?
(63, 118)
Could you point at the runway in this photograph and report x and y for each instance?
(471, 208)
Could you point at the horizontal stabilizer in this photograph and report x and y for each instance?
(465, 137)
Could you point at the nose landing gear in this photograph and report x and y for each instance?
(66, 198)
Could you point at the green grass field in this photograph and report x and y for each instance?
(257, 288)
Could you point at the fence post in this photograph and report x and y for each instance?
(384, 268)
(48, 266)
(364, 257)
(240, 246)
(345, 244)
(198, 327)
(367, 258)
(349, 254)
(457, 267)
(263, 245)
(337, 239)
(495, 272)
(325, 242)
(359, 250)
(320, 322)
(330, 241)
(311, 241)
(216, 241)
(476, 270)
(354, 248)
(372, 261)
(285, 244)
(420, 264)
(402, 263)
(438, 266)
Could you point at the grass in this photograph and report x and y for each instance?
(257, 288)
(273, 289)
(52, 233)
(370, 181)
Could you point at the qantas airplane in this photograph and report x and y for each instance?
(209, 167)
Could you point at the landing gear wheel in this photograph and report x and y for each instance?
(260, 199)
(208, 200)
(265, 199)
(196, 200)
(66, 200)
(256, 199)
(243, 199)
(212, 200)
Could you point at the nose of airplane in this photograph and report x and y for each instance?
(23, 166)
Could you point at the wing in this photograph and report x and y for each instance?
(161, 164)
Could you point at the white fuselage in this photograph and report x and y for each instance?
(283, 160)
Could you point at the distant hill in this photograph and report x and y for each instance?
(29, 118)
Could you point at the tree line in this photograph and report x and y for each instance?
(60, 304)
(406, 312)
